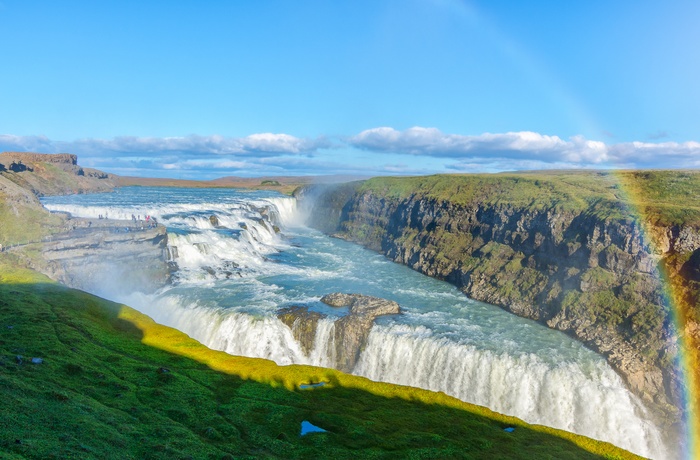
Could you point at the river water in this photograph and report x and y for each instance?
(233, 275)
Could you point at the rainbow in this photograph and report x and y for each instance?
(686, 360)
(688, 355)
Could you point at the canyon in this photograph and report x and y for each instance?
(561, 249)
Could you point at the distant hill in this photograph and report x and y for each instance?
(282, 184)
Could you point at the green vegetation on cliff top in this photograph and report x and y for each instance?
(114, 384)
(665, 197)
(662, 197)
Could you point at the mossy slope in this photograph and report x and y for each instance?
(114, 384)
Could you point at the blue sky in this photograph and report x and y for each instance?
(251, 88)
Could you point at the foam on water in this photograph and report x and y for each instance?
(233, 277)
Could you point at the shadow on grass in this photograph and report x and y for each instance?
(114, 384)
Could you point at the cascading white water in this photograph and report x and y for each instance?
(593, 401)
(287, 211)
(442, 342)
(588, 399)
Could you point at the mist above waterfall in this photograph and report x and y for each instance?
(242, 256)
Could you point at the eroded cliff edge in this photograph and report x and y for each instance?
(90, 254)
(568, 250)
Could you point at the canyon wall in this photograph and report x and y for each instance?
(103, 255)
(564, 250)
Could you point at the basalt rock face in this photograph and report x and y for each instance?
(98, 255)
(28, 157)
(350, 331)
(591, 276)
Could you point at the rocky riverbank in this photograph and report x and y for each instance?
(565, 250)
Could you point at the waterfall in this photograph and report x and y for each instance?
(588, 400)
(240, 257)
(593, 402)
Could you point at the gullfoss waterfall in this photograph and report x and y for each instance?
(241, 256)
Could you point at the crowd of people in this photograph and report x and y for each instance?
(150, 222)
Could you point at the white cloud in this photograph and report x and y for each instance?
(433, 142)
(216, 163)
(263, 144)
(655, 155)
(255, 145)
(9, 142)
(268, 142)
(377, 151)
(527, 149)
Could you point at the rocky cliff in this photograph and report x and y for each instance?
(53, 174)
(30, 158)
(565, 250)
(99, 255)
(89, 254)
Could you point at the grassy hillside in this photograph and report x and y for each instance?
(52, 179)
(665, 197)
(566, 191)
(114, 384)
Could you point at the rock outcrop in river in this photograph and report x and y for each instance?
(564, 250)
(350, 331)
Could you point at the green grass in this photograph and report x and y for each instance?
(573, 192)
(116, 385)
(662, 197)
(665, 197)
